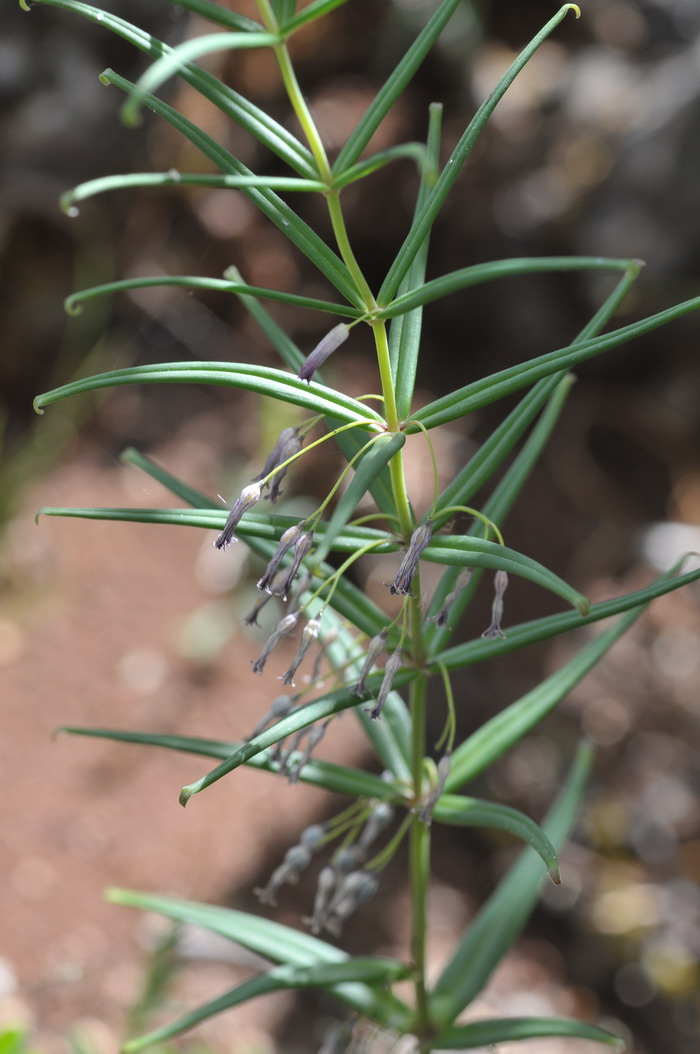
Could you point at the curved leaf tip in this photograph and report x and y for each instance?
(38, 410)
(185, 794)
(575, 8)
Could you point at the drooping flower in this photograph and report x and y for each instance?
(420, 539)
(301, 548)
(393, 665)
(288, 443)
(355, 889)
(289, 538)
(374, 650)
(440, 619)
(500, 585)
(314, 737)
(323, 350)
(295, 860)
(284, 626)
(379, 818)
(279, 708)
(308, 637)
(248, 497)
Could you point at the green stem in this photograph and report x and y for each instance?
(419, 861)
(341, 236)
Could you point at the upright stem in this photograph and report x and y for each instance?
(419, 849)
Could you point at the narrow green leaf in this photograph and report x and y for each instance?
(173, 178)
(503, 731)
(490, 456)
(254, 120)
(366, 971)
(224, 285)
(496, 926)
(193, 497)
(316, 9)
(366, 471)
(216, 13)
(280, 944)
(325, 706)
(390, 737)
(467, 277)
(261, 379)
(405, 330)
(537, 630)
(284, 10)
(368, 165)
(283, 344)
(508, 1029)
(472, 812)
(489, 389)
(177, 58)
(468, 551)
(339, 779)
(393, 87)
(423, 223)
(270, 204)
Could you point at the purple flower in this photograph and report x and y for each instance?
(289, 538)
(500, 584)
(337, 336)
(393, 665)
(309, 635)
(248, 497)
(404, 576)
(288, 444)
(301, 548)
(441, 618)
(374, 649)
(285, 626)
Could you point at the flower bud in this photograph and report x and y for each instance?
(355, 889)
(248, 497)
(443, 770)
(380, 818)
(323, 350)
(289, 538)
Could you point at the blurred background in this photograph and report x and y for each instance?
(594, 151)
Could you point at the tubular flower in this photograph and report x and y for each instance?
(289, 538)
(393, 664)
(500, 584)
(462, 582)
(374, 649)
(301, 548)
(309, 635)
(251, 619)
(284, 626)
(288, 443)
(323, 350)
(248, 497)
(419, 540)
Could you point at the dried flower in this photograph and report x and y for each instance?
(288, 443)
(374, 649)
(393, 664)
(462, 582)
(500, 584)
(289, 538)
(325, 348)
(309, 635)
(248, 497)
(443, 771)
(284, 626)
(404, 576)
